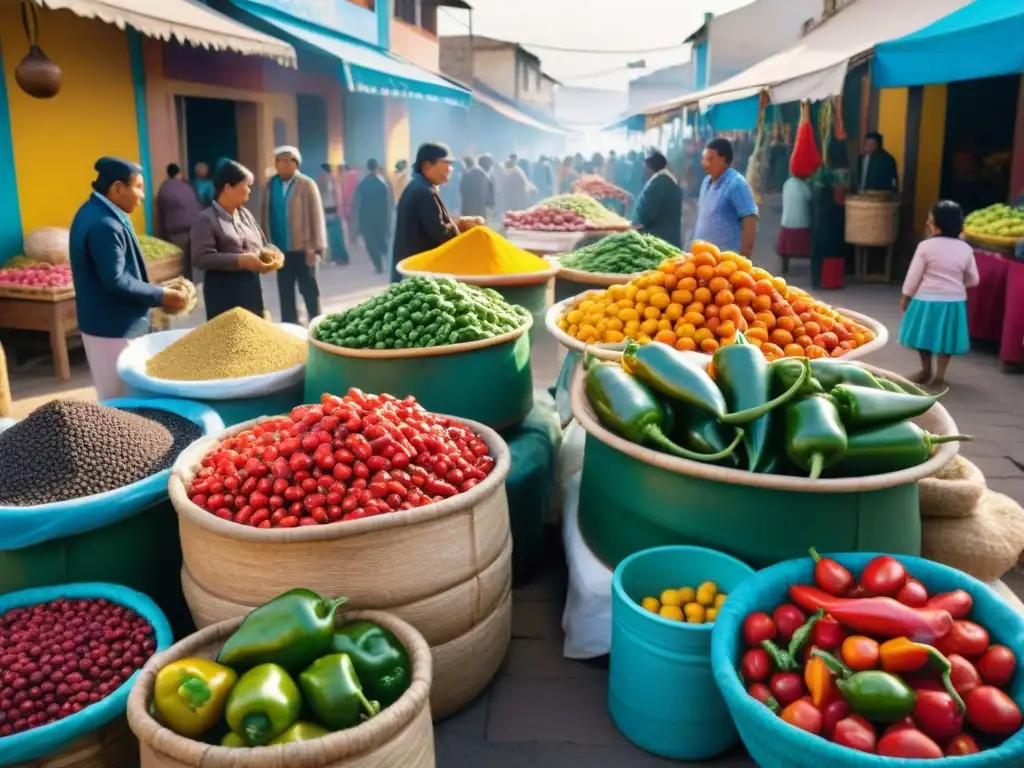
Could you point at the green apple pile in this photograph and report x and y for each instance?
(997, 220)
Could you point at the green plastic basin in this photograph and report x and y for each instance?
(488, 381)
(633, 498)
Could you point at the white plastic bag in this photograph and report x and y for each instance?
(131, 367)
(587, 619)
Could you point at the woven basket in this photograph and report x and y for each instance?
(445, 567)
(985, 545)
(399, 737)
(871, 221)
(112, 746)
(953, 491)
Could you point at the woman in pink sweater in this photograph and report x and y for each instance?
(935, 293)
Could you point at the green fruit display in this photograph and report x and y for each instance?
(997, 220)
(582, 205)
(623, 253)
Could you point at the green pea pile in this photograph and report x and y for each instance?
(621, 254)
(423, 312)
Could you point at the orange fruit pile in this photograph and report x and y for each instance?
(698, 301)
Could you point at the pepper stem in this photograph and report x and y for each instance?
(817, 465)
(194, 692)
(835, 665)
(940, 439)
(372, 707)
(755, 413)
(947, 683)
(256, 727)
(653, 433)
(814, 555)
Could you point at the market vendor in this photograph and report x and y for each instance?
(422, 221)
(727, 213)
(659, 209)
(226, 241)
(876, 169)
(113, 294)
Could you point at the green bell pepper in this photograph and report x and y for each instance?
(264, 703)
(815, 436)
(334, 694)
(232, 739)
(380, 661)
(879, 696)
(301, 732)
(291, 630)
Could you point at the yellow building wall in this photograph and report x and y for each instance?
(56, 141)
(931, 143)
(892, 123)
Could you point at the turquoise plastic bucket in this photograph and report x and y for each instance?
(661, 692)
(773, 743)
(243, 409)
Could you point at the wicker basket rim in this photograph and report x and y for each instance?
(942, 423)
(332, 748)
(487, 281)
(188, 462)
(396, 354)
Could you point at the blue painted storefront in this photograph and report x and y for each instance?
(10, 208)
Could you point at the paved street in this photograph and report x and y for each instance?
(546, 711)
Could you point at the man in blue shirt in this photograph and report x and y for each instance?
(726, 211)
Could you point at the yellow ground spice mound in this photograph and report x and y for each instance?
(232, 345)
(478, 251)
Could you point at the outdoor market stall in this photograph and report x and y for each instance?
(995, 308)
(724, 426)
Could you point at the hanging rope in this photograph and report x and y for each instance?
(29, 11)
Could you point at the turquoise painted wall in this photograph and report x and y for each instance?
(142, 119)
(10, 211)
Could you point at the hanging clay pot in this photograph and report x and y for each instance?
(36, 74)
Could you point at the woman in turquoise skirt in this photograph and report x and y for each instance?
(935, 294)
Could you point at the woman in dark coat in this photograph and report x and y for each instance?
(226, 244)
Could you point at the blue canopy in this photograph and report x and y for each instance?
(983, 39)
(738, 115)
(633, 124)
(366, 69)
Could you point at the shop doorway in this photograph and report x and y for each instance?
(978, 154)
(312, 131)
(209, 128)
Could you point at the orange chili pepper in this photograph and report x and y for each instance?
(860, 653)
(819, 681)
(901, 655)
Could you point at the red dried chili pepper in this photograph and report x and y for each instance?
(878, 616)
(884, 576)
(830, 575)
(958, 603)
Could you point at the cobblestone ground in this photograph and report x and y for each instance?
(549, 712)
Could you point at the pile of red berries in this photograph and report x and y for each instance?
(342, 459)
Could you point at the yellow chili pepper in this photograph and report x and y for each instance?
(189, 695)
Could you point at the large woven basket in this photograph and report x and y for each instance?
(872, 221)
(399, 737)
(445, 568)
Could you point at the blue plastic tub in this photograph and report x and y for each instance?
(775, 744)
(52, 738)
(661, 693)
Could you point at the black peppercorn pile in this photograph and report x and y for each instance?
(68, 449)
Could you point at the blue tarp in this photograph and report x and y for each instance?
(983, 39)
(734, 115)
(366, 69)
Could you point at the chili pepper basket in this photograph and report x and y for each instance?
(488, 381)
(401, 735)
(775, 744)
(633, 498)
(445, 568)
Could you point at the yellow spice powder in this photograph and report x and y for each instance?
(231, 346)
(478, 251)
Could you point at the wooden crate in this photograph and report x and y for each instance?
(26, 293)
(165, 269)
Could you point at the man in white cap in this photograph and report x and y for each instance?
(292, 216)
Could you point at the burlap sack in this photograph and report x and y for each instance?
(986, 545)
(49, 244)
(953, 491)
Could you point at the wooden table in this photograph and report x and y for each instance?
(58, 318)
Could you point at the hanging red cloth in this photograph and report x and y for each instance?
(806, 159)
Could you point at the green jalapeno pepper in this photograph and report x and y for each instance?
(866, 407)
(891, 448)
(830, 374)
(815, 436)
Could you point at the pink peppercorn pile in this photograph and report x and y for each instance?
(59, 657)
(342, 459)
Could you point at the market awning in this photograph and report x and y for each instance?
(815, 67)
(187, 21)
(633, 124)
(511, 113)
(984, 39)
(366, 69)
